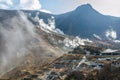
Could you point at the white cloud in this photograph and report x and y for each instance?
(5, 4)
(21, 4)
(8, 2)
(29, 5)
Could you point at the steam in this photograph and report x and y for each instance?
(111, 34)
(50, 27)
(96, 36)
(73, 43)
(15, 35)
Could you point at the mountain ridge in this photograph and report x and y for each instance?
(85, 17)
(84, 21)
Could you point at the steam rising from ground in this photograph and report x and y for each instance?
(50, 27)
(15, 35)
(73, 43)
(97, 36)
(18, 36)
(111, 34)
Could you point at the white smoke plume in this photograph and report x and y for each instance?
(15, 35)
(111, 34)
(50, 27)
(73, 43)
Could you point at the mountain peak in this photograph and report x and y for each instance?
(87, 5)
(84, 6)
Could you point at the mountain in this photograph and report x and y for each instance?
(85, 21)
(30, 42)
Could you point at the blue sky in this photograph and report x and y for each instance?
(52, 5)
(107, 7)
(59, 6)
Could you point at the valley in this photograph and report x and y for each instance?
(82, 44)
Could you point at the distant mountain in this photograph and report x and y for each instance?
(25, 38)
(86, 21)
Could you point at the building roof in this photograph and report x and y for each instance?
(109, 51)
